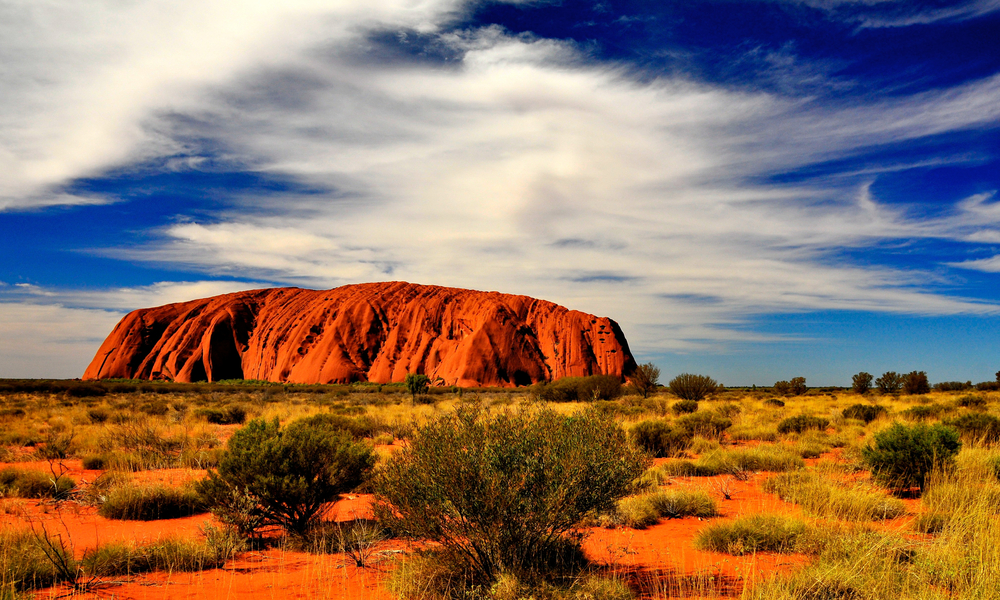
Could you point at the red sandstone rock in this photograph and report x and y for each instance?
(370, 332)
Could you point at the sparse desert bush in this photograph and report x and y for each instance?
(821, 497)
(889, 382)
(416, 383)
(764, 433)
(579, 389)
(751, 534)
(645, 379)
(977, 427)
(357, 427)
(902, 457)
(953, 386)
(500, 492)
(861, 383)
(864, 412)
(169, 554)
(130, 502)
(24, 483)
(800, 423)
(684, 407)
(692, 387)
(283, 476)
(774, 403)
(358, 539)
(234, 414)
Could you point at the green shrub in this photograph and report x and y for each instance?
(416, 383)
(901, 457)
(751, 534)
(684, 407)
(703, 423)
(645, 510)
(150, 503)
(94, 462)
(977, 427)
(774, 402)
(737, 461)
(24, 483)
(660, 437)
(501, 491)
(169, 554)
(864, 412)
(692, 387)
(283, 476)
(579, 389)
(800, 423)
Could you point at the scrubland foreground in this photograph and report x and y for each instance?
(574, 490)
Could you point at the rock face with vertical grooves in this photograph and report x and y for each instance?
(375, 332)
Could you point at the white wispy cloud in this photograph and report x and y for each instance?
(520, 166)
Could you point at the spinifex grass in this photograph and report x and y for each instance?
(821, 496)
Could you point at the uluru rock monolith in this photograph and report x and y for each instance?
(374, 332)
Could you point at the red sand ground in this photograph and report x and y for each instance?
(660, 560)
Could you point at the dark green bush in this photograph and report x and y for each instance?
(864, 412)
(283, 476)
(977, 427)
(502, 491)
(901, 457)
(95, 462)
(579, 389)
(692, 387)
(684, 407)
(660, 438)
(953, 386)
(889, 382)
(800, 423)
(774, 402)
(972, 401)
(416, 383)
(915, 382)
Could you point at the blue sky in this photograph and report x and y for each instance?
(754, 190)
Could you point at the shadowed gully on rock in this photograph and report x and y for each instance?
(375, 332)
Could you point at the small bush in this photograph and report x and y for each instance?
(703, 423)
(358, 427)
(579, 389)
(170, 554)
(739, 462)
(283, 476)
(901, 457)
(34, 484)
(684, 407)
(94, 462)
(233, 414)
(972, 401)
(692, 387)
(977, 427)
(639, 512)
(800, 423)
(503, 490)
(661, 438)
(864, 412)
(99, 414)
(358, 540)
(774, 403)
(953, 386)
(755, 533)
(150, 503)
